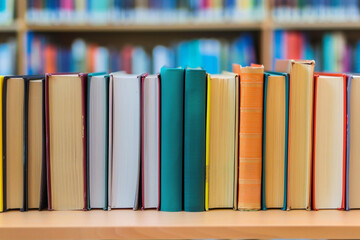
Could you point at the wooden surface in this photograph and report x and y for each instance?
(127, 224)
(147, 27)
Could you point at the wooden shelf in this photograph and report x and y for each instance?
(318, 26)
(9, 28)
(150, 224)
(146, 27)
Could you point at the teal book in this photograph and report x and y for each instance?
(275, 140)
(194, 140)
(172, 125)
(97, 140)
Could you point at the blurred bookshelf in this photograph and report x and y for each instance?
(144, 37)
(219, 20)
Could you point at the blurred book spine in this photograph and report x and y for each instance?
(6, 12)
(143, 11)
(316, 11)
(333, 52)
(214, 55)
(8, 57)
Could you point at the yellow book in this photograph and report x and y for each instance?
(221, 141)
(1, 144)
(207, 144)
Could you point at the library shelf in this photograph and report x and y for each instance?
(308, 26)
(151, 224)
(146, 27)
(9, 28)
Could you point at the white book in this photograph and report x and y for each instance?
(124, 136)
(97, 140)
(150, 141)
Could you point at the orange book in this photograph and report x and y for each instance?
(50, 55)
(250, 143)
(91, 51)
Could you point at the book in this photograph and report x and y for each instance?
(194, 139)
(301, 100)
(7, 12)
(315, 11)
(172, 139)
(124, 141)
(275, 140)
(35, 142)
(250, 132)
(18, 162)
(329, 150)
(150, 141)
(214, 55)
(1, 147)
(65, 112)
(353, 137)
(8, 58)
(97, 140)
(222, 141)
(333, 51)
(136, 12)
(14, 150)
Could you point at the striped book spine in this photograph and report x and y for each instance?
(250, 144)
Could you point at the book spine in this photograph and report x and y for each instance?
(172, 119)
(207, 142)
(194, 140)
(250, 143)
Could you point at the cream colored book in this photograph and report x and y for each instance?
(275, 145)
(353, 140)
(329, 158)
(66, 137)
(301, 100)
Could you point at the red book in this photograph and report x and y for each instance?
(126, 58)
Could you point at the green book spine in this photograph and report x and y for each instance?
(172, 124)
(194, 140)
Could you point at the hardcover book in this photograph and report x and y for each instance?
(353, 139)
(172, 139)
(65, 111)
(194, 139)
(301, 100)
(222, 141)
(97, 139)
(329, 151)
(150, 141)
(250, 132)
(23, 149)
(275, 140)
(124, 141)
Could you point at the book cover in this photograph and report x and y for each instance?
(1, 147)
(266, 79)
(172, 125)
(24, 170)
(194, 140)
(329, 113)
(31, 147)
(250, 141)
(106, 108)
(149, 134)
(301, 97)
(124, 141)
(222, 141)
(83, 77)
